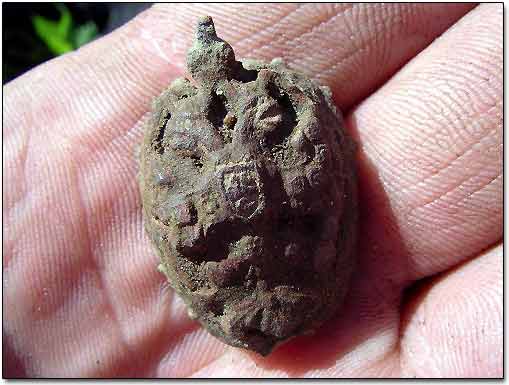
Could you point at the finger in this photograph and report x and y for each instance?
(197, 349)
(431, 156)
(454, 326)
(351, 47)
(89, 100)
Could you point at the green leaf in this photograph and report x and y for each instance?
(55, 34)
(84, 33)
(65, 22)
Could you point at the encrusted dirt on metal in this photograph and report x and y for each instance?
(249, 195)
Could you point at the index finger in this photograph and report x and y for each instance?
(353, 48)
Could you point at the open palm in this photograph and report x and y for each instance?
(82, 296)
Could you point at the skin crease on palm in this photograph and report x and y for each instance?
(421, 89)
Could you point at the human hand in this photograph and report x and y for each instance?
(82, 297)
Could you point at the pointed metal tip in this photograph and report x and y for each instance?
(205, 29)
(205, 20)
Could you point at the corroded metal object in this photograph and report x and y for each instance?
(249, 195)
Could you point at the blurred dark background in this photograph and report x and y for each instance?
(36, 32)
